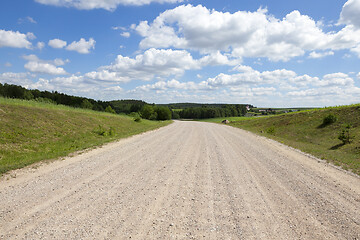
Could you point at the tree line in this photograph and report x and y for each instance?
(226, 110)
(137, 107)
(120, 106)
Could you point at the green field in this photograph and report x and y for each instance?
(31, 131)
(305, 131)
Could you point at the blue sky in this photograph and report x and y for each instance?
(268, 53)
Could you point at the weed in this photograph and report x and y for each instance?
(111, 131)
(271, 130)
(101, 131)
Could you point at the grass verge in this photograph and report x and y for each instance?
(306, 131)
(31, 131)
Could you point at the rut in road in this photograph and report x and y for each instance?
(189, 180)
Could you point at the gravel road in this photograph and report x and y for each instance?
(189, 180)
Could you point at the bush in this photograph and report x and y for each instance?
(111, 131)
(345, 135)
(137, 119)
(103, 132)
(329, 119)
(109, 109)
(271, 130)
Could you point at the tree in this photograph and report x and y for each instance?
(147, 111)
(86, 104)
(109, 109)
(163, 113)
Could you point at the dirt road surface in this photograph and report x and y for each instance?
(189, 180)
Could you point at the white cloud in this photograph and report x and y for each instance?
(156, 63)
(125, 34)
(358, 75)
(356, 50)
(7, 64)
(57, 43)
(14, 78)
(47, 68)
(118, 28)
(105, 75)
(152, 63)
(321, 54)
(30, 36)
(27, 19)
(40, 45)
(109, 5)
(242, 34)
(335, 79)
(37, 65)
(15, 39)
(350, 13)
(82, 46)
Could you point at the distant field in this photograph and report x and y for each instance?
(304, 131)
(219, 120)
(31, 131)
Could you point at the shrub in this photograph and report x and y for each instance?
(329, 119)
(137, 119)
(345, 135)
(111, 131)
(109, 109)
(101, 131)
(271, 130)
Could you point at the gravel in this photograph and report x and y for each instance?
(188, 180)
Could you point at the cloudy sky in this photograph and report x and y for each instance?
(275, 53)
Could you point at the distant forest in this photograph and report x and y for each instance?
(139, 107)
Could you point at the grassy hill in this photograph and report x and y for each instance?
(306, 131)
(31, 131)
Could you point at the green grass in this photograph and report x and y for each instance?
(31, 131)
(219, 120)
(304, 131)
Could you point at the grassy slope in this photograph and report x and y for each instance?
(303, 131)
(31, 131)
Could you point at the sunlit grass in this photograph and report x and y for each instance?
(31, 131)
(305, 131)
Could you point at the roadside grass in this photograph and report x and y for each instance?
(305, 131)
(31, 131)
(219, 120)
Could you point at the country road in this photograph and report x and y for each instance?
(189, 180)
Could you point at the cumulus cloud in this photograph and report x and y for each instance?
(109, 5)
(350, 13)
(15, 78)
(335, 79)
(15, 39)
(242, 34)
(37, 65)
(40, 45)
(57, 43)
(82, 46)
(356, 50)
(320, 54)
(156, 63)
